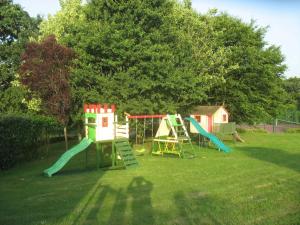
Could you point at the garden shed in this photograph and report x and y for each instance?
(208, 116)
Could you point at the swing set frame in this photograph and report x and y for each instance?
(144, 117)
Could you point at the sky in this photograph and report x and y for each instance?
(282, 17)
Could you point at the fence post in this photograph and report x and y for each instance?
(275, 125)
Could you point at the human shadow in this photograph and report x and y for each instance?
(142, 211)
(276, 156)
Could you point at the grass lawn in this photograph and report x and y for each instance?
(258, 183)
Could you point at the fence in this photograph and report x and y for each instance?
(279, 126)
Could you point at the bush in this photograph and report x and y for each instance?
(293, 130)
(252, 129)
(241, 130)
(258, 130)
(21, 135)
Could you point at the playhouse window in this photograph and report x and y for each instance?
(198, 118)
(104, 122)
(224, 117)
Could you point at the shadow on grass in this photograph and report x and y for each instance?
(75, 171)
(85, 206)
(119, 208)
(197, 208)
(142, 211)
(275, 156)
(94, 208)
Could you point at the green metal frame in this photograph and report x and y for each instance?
(173, 148)
(166, 147)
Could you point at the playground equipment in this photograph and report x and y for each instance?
(220, 145)
(144, 118)
(101, 128)
(209, 116)
(64, 159)
(171, 136)
(214, 119)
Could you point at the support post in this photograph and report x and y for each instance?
(86, 158)
(98, 155)
(152, 127)
(136, 129)
(113, 154)
(144, 135)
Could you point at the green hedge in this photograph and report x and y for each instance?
(21, 136)
(293, 130)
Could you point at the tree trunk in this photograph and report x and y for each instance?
(66, 137)
(47, 144)
(79, 133)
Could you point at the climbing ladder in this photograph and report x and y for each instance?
(177, 127)
(125, 151)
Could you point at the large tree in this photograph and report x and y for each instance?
(45, 71)
(254, 91)
(162, 56)
(16, 26)
(146, 56)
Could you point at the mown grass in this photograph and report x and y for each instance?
(258, 183)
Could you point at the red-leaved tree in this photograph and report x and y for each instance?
(46, 71)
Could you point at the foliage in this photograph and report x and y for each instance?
(144, 56)
(20, 137)
(292, 87)
(45, 71)
(16, 26)
(11, 100)
(161, 56)
(254, 91)
(187, 3)
(293, 130)
(65, 21)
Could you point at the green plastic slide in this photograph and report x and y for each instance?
(213, 138)
(62, 161)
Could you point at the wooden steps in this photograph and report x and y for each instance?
(126, 152)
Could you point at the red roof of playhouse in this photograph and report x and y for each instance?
(207, 109)
(99, 108)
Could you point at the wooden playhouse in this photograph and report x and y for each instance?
(209, 117)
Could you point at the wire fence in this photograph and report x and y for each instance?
(278, 126)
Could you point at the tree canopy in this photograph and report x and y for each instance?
(16, 26)
(292, 87)
(145, 56)
(162, 56)
(254, 91)
(45, 71)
